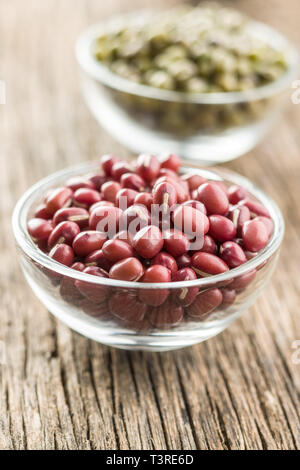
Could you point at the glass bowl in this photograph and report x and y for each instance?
(207, 127)
(113, 312)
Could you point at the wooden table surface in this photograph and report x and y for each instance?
(58, 390)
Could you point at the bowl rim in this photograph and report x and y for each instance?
(96, 70)
(33, 196)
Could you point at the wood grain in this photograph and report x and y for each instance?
(59, 390)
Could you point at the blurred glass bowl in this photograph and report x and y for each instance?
(207, 127)
(111, 312)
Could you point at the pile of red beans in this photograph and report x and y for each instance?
(231, 225)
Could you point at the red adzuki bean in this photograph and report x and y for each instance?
(214, 198)
(65, 232)
(135, 325)
(165, 259)
(77, 182)
(175, 242)
(96, 310)
(42, 244)
(97, 180)
(115, 250)
(250, 254)
(166, 315)
(129, 269)
(156, 274)
(101, 204)
(243, 280)
(109, 222)
(63, 254)
(222, 186)
(58, 198)
(172, 162)
(148, 167)
(148, 241)
(85, 197)
(268, 224)
(127, 306)
(41, 212)
(110, 190)
(107, 162)
(68, 290)
(255, 235)
(209, 245)
(96, 293)
(232, 254)
(221, 228)
(186, 295)
(86, 242)
(205, 303)
(78, 266)
(229, 296)
(239, 215)
(145, 199)
(237, 193)
(196, 205)
(125, 236)
(184, 185)
(126, 198)
(72, 214)
(135, 218)
(190, 221)
(206, 264)
(254, 207)
(167, 172)
(105, 218)
(132, 181)
(165, 195)
(39, 229)
(97, 258)
(119, 169)
(182, 193)
(184, 261)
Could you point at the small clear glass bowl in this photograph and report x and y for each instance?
(90, 315)
(207, 127)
